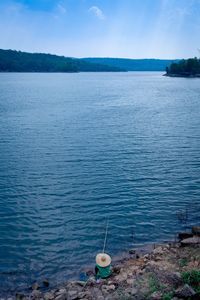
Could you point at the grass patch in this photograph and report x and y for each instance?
(183, 262)
(192, 278)
(168, 296)
(154, 284)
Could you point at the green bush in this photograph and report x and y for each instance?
(168, 296)
(192, 278)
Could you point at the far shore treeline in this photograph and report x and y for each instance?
(184, 68)
(17, 61)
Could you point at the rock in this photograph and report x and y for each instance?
(158, 250)
(184, 235)
(61, 297)
(72, 295)
(36, 294)
(107, 289)
(46, 282)
(48, 296)
(121, 277)
(156, 296)
(174, 278)
(196, 230)
(130, 281)
(35, 286)
(96, 293)
(81, 283)
(85, 295)
(134, 291)
(133, 269)
(91, 281)
(111, 287)
(191, 241)
(185, 291)
(60, 291)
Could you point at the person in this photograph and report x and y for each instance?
(103, 266)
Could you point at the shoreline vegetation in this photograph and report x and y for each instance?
(189, 68)
(18, 61)
(168, 271)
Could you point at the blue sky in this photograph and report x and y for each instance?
(106, 28)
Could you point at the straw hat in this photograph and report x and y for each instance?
(103, 259)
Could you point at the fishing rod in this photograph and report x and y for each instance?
(106, 234)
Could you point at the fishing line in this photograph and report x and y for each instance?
(106, 234)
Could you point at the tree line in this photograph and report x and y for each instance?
(17, 61)
(185, 67)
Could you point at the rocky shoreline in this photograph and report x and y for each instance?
(167, 271)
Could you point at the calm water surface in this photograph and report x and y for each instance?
(78, 148)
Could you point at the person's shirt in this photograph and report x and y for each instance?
(104, 272)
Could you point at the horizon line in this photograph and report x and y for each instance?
(85, 57)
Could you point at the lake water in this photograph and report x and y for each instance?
(76, 149)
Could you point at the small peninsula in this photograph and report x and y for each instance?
(184, 68)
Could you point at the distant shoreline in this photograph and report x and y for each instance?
(183, 75)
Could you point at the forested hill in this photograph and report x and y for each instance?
(133, 64)
(184, 68)
(17, 61)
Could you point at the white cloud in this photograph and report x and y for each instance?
(97, 12)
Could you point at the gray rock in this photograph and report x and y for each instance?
(185, 291)
(48, 296)
(36, 294)
(60, 292)
(81, 283)
(191, 241)
(107, 289)
(61, 297)
(174, 278)
(84, 295)
(158, 250)
(72, 295)
(134, 291)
